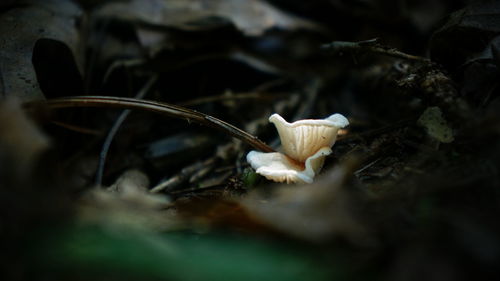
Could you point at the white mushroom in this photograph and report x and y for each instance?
(305, 143)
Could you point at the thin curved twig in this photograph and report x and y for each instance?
(157, 107)
(114, 129)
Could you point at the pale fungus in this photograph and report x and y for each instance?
(305, 144)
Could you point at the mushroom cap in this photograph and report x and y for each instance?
(278, 167)
(303, 138)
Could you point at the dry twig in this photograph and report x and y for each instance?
(372, 46)
(157, 107)
(114, 129)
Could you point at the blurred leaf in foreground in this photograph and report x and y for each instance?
(317, 212)
(127, 203)
(176, 256)
(21, 142)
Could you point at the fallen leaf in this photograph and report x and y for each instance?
(467, 44)
(20, 28)
(252, 17)
(433, 121)
(465, 34)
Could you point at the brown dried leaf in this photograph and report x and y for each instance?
(217, 212)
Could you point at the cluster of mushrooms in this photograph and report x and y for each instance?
(305, 144)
